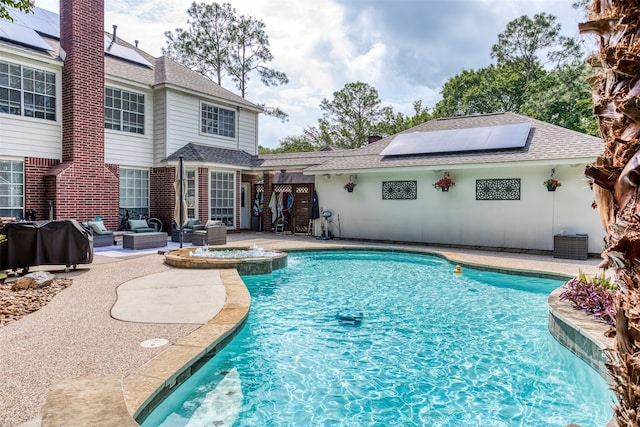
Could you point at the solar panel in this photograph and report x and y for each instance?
(41, 20)
(459, 140)
(25, 36)
(123, 52)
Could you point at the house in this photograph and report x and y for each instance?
(89, 124)
(498, 162)
(93, 126)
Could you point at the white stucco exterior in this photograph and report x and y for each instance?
(456, 217)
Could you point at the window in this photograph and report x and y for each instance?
(26, 91)
(123, 110)
(218, 121)
(12, 188)
(192, 195)
(222, 198)
(134, 193)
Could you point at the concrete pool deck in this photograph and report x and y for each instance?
(74, 349)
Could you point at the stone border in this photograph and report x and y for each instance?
(580, 333)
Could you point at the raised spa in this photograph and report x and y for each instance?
(247, 260)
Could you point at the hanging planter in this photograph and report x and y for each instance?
(552, 184)
(444, 183)
(349, 186)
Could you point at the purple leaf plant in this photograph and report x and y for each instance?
(592, 295)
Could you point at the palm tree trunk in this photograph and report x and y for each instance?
(616, 181)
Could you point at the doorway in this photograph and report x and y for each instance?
(245, 205)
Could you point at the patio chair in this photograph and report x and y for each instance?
(101, 236)
(187, 230)
(214, 233)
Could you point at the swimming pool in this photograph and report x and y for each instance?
(434, 348)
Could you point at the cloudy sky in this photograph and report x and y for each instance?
(406, 49)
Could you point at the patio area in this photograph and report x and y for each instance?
(76, 334)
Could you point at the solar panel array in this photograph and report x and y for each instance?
(27, 28)
(123, 52)
(460, 140)
(22, 35)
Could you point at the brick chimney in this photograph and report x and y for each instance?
(84, 187)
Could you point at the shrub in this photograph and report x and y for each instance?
(593, 295)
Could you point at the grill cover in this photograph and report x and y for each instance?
(62, 242)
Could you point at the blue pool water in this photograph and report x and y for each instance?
(433, 349)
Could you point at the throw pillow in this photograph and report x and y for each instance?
(97, 226)
(137, 223)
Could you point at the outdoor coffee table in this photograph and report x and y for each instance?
(144, 240)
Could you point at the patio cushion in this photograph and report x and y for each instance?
(140, 226)
(99, 228)
(213, 223)
(191, 222)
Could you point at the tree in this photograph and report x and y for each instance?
(350, 117)
(220, 42)
(563, 97)
(616, 183)
(524, 38)
(488, 90)
(205, 45)
(25, 6)
(392, 122)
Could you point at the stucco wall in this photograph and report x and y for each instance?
(456, 217)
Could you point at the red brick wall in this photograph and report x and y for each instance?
(83, 186)
(162, 195)
(35, 170)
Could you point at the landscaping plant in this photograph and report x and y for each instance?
(593, 295)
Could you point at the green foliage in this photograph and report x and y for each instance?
(488, 90)
(563, 97)
(219, 42)
(25, 6)
(599, 280)
(349, 118)
(392, 122)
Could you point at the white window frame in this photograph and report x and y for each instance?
(124, 110)
(12, 188)
(211, 124)
(28, 96)
(219, 198)
(192, 193)
(134, 195)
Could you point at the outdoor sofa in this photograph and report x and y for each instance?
(214, 233)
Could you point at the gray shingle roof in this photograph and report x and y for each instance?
(206, 154)
(546, 142)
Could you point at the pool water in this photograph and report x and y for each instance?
(433, 349)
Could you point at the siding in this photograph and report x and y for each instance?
(27, 137)
(160, 127)
(183, 125)
(125, 148)
(30, 137)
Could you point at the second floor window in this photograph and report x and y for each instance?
(26, 91)
(123, 110)
(218, 121)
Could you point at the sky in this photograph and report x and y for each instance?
(406, 49)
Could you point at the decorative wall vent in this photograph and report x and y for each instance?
(399, 190)
(498, 189)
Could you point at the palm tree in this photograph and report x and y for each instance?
(616, 181)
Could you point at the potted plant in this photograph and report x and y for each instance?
(349, 186)
(552, 184)
(444, 183)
